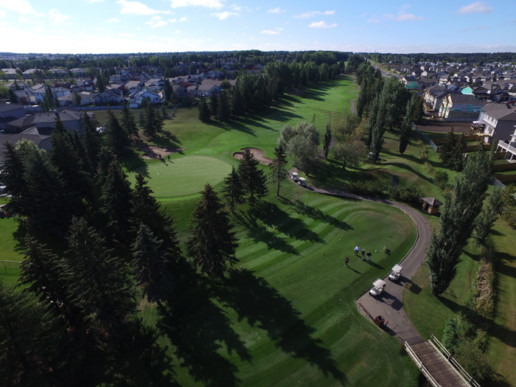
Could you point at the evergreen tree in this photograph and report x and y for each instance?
(252, 178)
(149, 119)
(237, 103)
(223, 107)
(458, 220)
(91, 142)
(214, 99)
(213, 243)
(278, 167)
(12, 96)
(98, 285)
(153, 265)
(204, 110)
(116, 206)
(30, 340)
(128, 122)
(116, 136)
(327, 139)
(146, 210)
(167, 88)
(233, 191)
(12, 176)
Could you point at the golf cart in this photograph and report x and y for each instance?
(302, 182)
(396, 272)
(295, 176)
(377, 288)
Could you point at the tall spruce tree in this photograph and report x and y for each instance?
(116, 136)
(378, 129)
(405, 130)
(204, 110)
(213, 243)
(458, 220)
(327, 139)
(233, 191)
(253, 179)
(279, 163)
(128, 122)
(153, 265)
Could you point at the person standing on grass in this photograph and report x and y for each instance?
(357, 249)
(363, 253)
(368, 256)
(347, 261)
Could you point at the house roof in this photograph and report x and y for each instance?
(14, 138)
(500, 111)
(466, 99)
(432, 201)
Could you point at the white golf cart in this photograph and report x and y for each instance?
(395, 272)
(377, 288)
(295, 176)
(302, 182)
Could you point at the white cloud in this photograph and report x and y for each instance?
(196, 3)
(409, 17)
(137, 8)
(224, 15)
(478, 7)
(56, 17)
(275, 31)
(156, 21)
(276, 10)
(322, 24)
(21, 6)
(308, 15)
(96, 1)
(112, 20)
(126, 35)
(2, 13)
(373, 20)
(183, 19)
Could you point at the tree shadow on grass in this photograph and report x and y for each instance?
(168, 141)
(271, 215)
(132, 161)
(259, 233)
(409, 168)
(316, 214)
(501, 332)
(503, 267)
(262, 306)
(235, 125)
(199, 329)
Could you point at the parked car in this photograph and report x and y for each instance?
(378, 287)
(395, 272)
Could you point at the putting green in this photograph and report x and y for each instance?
(185, 176)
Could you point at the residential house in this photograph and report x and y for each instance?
(138, 98)
(208, 87)
(41, 141)
(509, 147)
(460, 107)
(133, 86)
(45, 122)
(38, 92)
(434, 96)
(29, 73)
(155, 84)
(109, 97)
(78, 72)
(498, 121)
(10, 112)
(10, 73)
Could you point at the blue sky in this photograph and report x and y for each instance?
(121, 26)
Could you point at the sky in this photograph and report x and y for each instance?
(126, 26)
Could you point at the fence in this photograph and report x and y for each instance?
(454, 362)
(427, 139)
(421, 366)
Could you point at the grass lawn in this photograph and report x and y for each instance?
(290, 301)
(184, 176)
(9, 257)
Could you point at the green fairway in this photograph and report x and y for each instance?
(184, 175)
(9, 257)
(290, 301)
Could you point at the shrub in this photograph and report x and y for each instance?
(441, 179)
(410, 194)
(370, 188)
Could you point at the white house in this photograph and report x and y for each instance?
(498, 121)
(137, 99)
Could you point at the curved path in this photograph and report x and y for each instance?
(390, 305)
